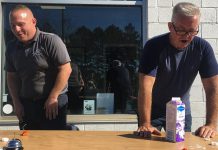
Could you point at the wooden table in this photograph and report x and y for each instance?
(102, 140)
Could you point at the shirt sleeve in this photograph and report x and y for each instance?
(58, 51)
(149, 59)
(208, 66)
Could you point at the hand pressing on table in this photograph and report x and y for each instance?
(146, 131)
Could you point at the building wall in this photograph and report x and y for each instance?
(159, 14)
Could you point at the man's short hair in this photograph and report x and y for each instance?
(185, 9)
(18, 7)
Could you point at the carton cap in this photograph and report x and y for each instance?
(176, 100)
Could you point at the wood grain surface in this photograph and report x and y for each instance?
(102, 140)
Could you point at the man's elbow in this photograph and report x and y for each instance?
(68, 69)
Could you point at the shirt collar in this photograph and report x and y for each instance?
(20, 44)
(36, 35)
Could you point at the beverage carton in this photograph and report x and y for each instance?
(175, 120)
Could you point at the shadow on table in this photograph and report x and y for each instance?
(152, 138)
(193, 133)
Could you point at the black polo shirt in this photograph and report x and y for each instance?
(36, 64)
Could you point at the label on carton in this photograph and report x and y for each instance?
(175, 120)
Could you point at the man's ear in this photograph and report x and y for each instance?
(34, 21)
(170, 26)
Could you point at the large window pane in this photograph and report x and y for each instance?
(104, 41)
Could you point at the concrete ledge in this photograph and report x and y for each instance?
(105, 118)
(8, 120)
(80, 119)
(106, 122)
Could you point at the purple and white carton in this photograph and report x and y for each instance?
(175, 120)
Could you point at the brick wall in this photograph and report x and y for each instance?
(159, 14)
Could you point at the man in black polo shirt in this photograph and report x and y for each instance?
(38, 68)
(168, 67)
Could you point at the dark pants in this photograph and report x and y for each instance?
(160, 123)
(120, 99)
(35, 117)
(75, 104)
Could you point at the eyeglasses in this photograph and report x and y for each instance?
(182, 32)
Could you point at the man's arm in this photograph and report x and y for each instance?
(51, 104)
(13, 86)
(144, 105)
(211, 90)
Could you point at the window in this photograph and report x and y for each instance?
(104, 42)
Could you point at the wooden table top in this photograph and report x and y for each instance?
(102, 140)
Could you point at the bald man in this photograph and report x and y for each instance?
(38, 68)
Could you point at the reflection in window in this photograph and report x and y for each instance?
(104, 42)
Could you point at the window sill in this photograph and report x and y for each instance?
(79, 119)
(103, 118)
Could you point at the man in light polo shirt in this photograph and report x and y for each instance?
(38, 68)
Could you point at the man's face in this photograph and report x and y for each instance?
(182, 31)
(23, 25)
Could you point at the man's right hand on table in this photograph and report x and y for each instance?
(146, 131)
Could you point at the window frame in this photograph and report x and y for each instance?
(142, 3)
